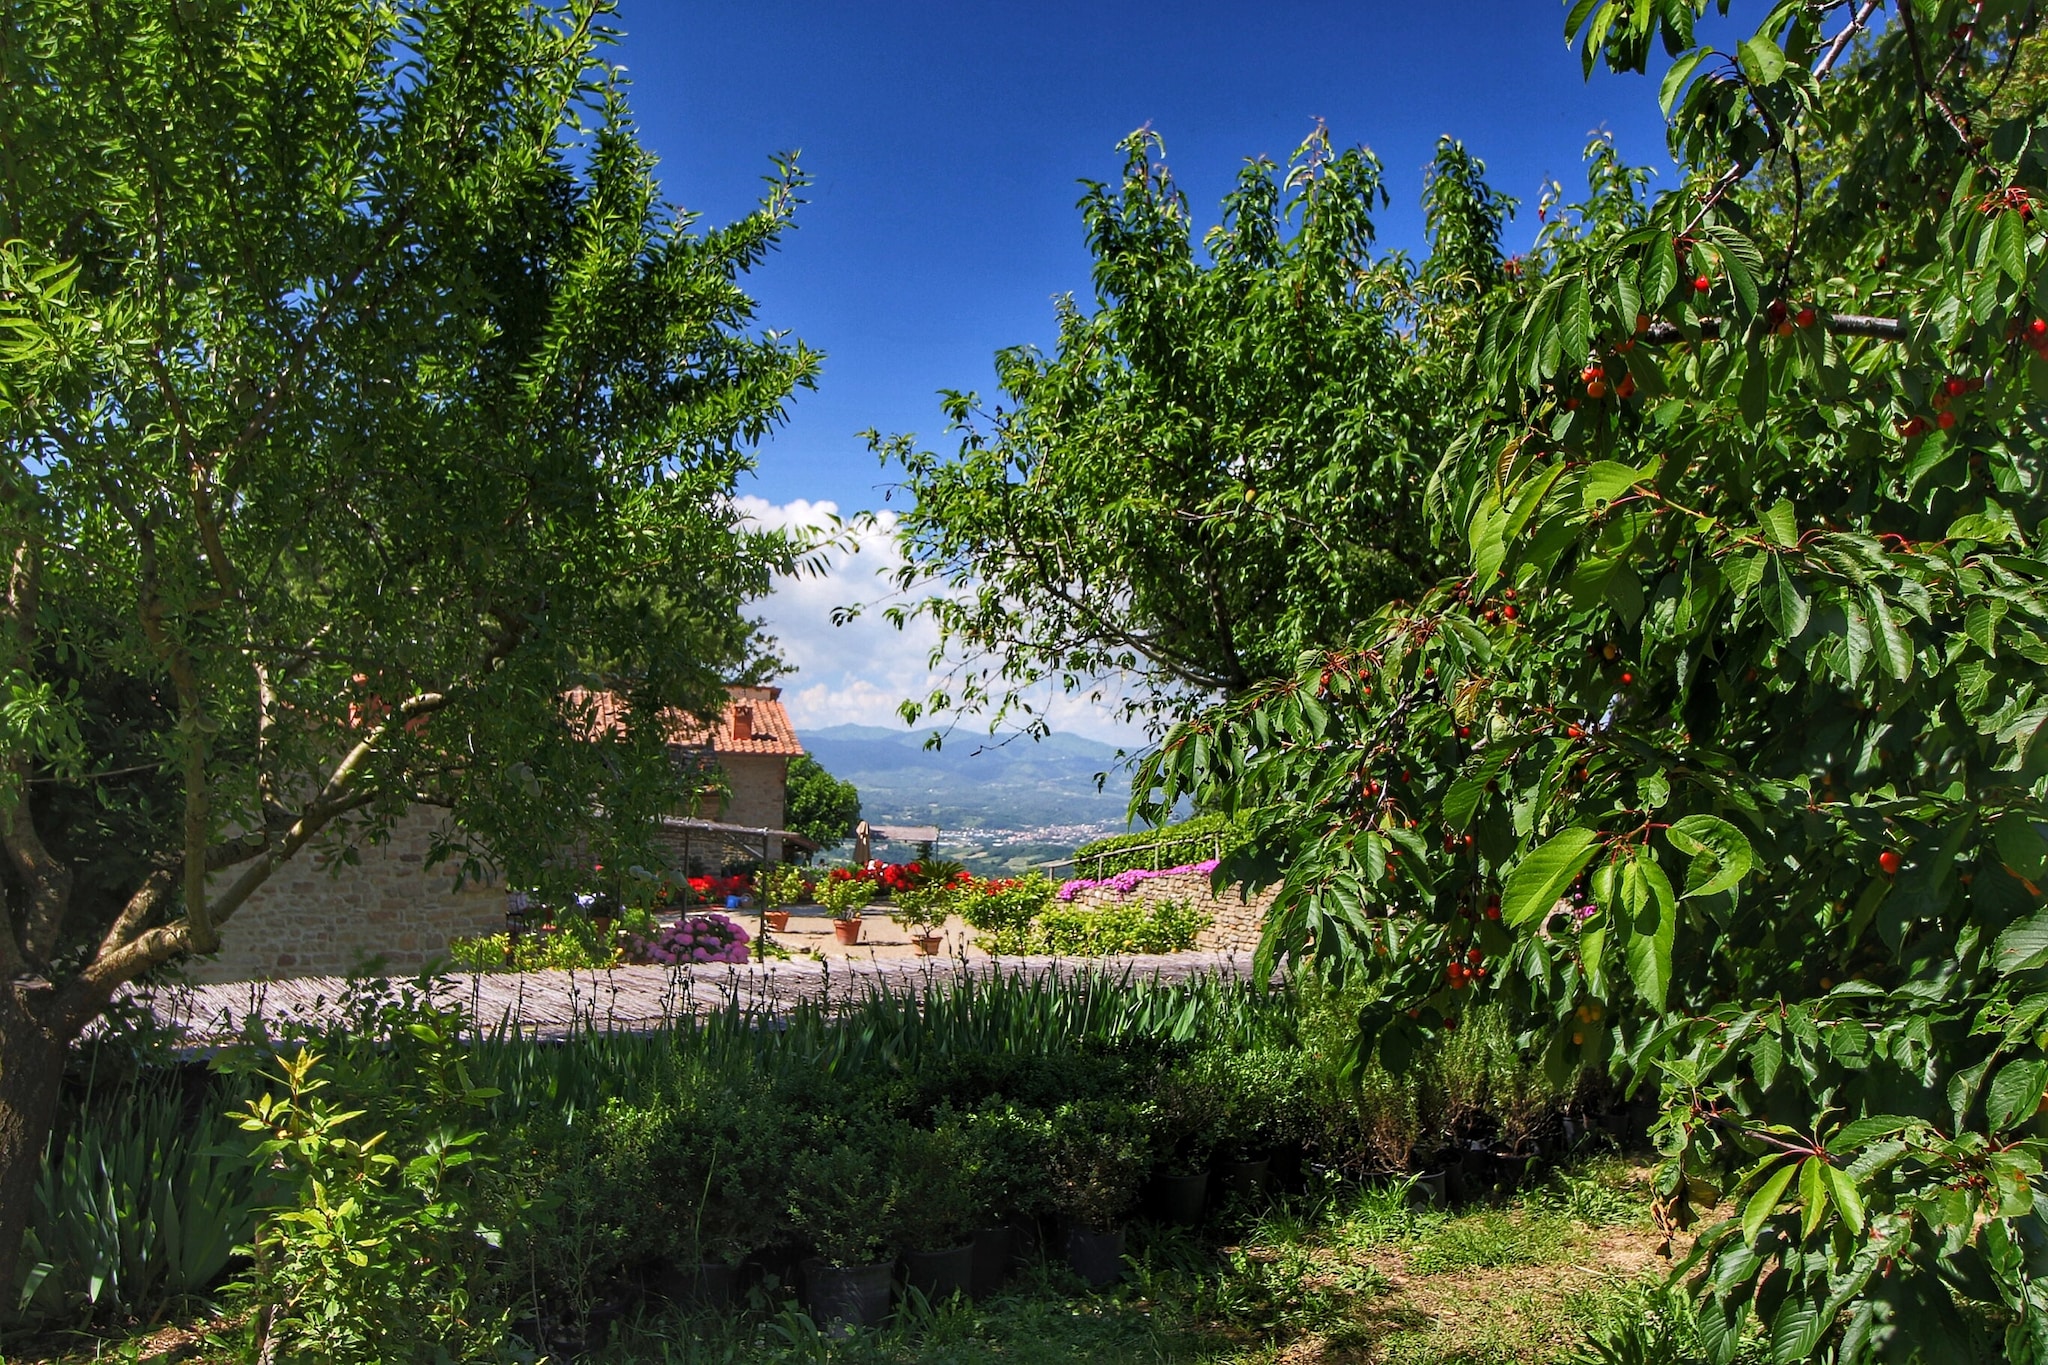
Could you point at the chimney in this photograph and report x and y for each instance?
(742, 723)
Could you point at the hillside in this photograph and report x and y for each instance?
(973, 783)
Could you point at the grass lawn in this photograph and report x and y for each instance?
(1356, 1275)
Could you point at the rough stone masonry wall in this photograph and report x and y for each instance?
(1234, 923)
(311, 919)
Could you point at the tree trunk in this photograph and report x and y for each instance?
(31, 1072)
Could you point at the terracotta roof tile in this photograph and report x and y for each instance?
(753, 722)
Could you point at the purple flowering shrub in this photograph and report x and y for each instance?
(699, 938)
(1125, 882)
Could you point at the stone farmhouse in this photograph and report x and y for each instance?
(314, 918)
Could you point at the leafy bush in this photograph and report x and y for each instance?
(1096, 1160)
(1190, 841)
(1163, 926)
(845, 897)
(847, 1198)
(572, 942)
(1000, 904)
(379, 1257)
(784, 884)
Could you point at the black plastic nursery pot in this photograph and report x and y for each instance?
(1097, 1257)
(714, 1284)
(851, 1296)
(1178, 1200)
(994, 1249)
(1246, 1179)
(1429, 1190)
(940, 1275)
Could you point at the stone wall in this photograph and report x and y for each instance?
(760, 786)
(313, 919)
(1235, 923)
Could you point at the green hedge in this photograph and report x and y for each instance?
(1082, 931)
(1190, 841)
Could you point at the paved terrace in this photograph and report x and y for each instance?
(641, 999)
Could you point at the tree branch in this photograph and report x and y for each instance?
(1661, 333)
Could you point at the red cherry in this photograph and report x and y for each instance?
(2039, 327)
(1574, 731)
(1806, 317)
(1955, 387)
(1464, 731)
(1509, 611)
(1493, 912)
(1702, 284)
(1474, 956)
(1627, 678)
(1889, 861)
(1945, 421)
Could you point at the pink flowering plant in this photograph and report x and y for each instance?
(1127, 881)
(699, 938)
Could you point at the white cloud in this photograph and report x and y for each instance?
(861, 671)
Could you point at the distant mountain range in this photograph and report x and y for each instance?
(974, 782)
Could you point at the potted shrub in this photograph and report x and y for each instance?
(844, 897)
(848, 1206)
(1096, 1161)
(1188, 1112)
(921, 913)
(729, 1147)
(936, 1218)
(782, 886)
(1003, 1156)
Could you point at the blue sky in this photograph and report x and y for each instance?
(946, 142)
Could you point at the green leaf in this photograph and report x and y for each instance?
(2015, 1094)
(1660, 271)
(1676, 78)
(1781, 523)
(1651, 931)
(1761, 60)
(2020, 846)
(1607, 480)
(1709, 835)
(1539, 879)
(1992, 526)
(1813, 1195)
(1784, 601)
(1848, 1200)
(1893, 647)
(1489, 543)
(1764, 1202)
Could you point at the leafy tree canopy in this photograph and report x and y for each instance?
(820, 806)
(360, 395)
(1220, 465)
(1721, 750)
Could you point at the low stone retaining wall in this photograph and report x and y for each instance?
(1235, 922)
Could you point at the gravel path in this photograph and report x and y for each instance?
(639, 999)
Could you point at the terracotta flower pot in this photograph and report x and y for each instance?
(847, 931)
(778, 920)
(928, 945)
